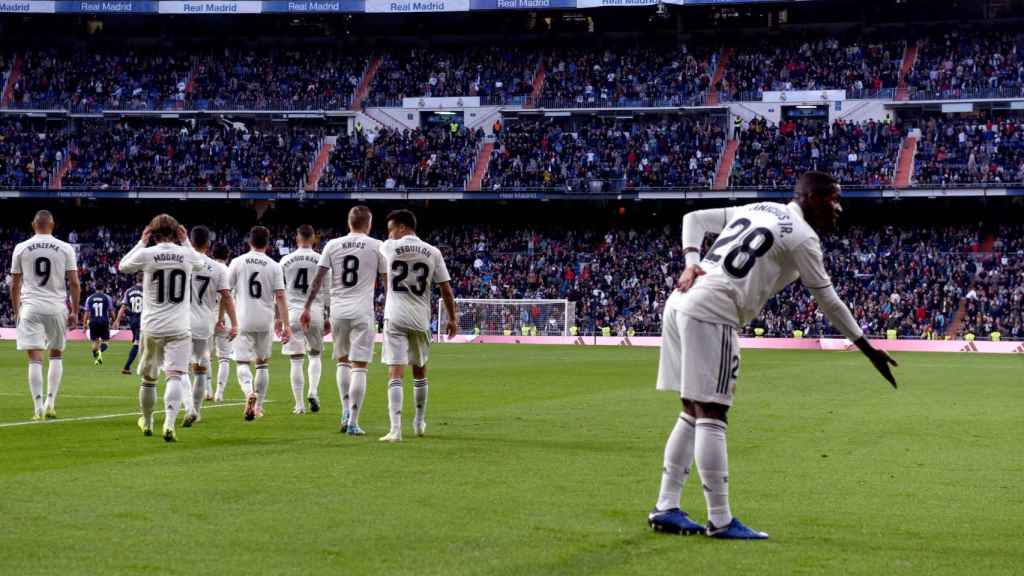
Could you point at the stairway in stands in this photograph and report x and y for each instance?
(12, 79)
(483, 160)
(538, 85)
(909, 59)
(723, 63)
(725, 165)
(316, 169)
(365, 83)
(905, 165)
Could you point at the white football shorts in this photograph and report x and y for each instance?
(404, 346)
(37, 331)
(699, 359)
(253, 346)
(167, 353)
(353, 337)
(304, 341)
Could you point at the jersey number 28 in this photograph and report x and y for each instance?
(747, 247)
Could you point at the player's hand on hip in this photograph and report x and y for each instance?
(688, 277)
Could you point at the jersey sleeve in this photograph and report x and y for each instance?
(222, 283)
(325, 258)
(233, 274)
(70, 259)
(133, 260)
(440, 269)
(810, 263)
(698, 224)
(16, 260)
(278, 277)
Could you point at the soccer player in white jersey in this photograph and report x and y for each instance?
(413, 267)
(300, 269)
(211, 298)
(355, 263)
(167, 269)
(258, 284)
(43, 271)
(222, 336)
(761, 248)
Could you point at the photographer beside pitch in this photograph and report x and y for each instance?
(761, 248)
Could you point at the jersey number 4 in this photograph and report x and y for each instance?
(401, 270)
(747, 247)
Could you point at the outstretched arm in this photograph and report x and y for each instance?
(809, 262)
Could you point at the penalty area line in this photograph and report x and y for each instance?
(108, 416)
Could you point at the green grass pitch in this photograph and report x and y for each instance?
(538, 460)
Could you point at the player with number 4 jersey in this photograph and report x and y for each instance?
(348, 269)
(300, 268)
(167, 269)
(761, 248)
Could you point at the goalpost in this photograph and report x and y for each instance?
(510, 317)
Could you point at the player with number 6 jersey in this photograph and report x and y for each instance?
(300, 268)
(350, 267)
(413, 267)
(167, 269)
(258, 285)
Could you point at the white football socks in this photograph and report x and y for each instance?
(147, 402)
(419, 396)
(199, 391)
(356, 393)
(297, 383)
(395, 404)
(53, 377)
(314, 369)
(677, 462)
(244, 373)
(713, 464)
(35, 385)
(223, 373)
(262, 383)
(173, 396)
(344, 378)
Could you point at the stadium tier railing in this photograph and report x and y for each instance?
(864, 94)
(986, 93)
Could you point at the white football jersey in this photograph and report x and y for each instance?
(355, 262)
(762, 248)
(254, 277)
(413, 268)
(207, 282)
(300, 268)
(167, 274)
(43, 262)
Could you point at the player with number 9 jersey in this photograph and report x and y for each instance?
(43, 262)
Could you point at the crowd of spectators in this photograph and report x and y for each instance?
(860, 154)
(921, 281)
(966, 63)
(861, 65)
(497, 75)
(628, 75)
(130, 154)
(288, 78)
(29, 154)
(431, 157)
(969, 150)
(610, 154)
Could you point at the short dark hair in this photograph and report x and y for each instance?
(43, 217)
(403, 217)
(359, 217)
(306, 232)
(220, 251)
(200, 236)
(259, 237)
(163, 226)
(815, 184)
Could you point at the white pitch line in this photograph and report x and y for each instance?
(85, 396)
(108, 416)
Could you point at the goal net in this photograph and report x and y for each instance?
(510, 317)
